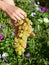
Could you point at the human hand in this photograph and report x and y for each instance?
(14, 12)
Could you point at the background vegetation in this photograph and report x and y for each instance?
(37, 47)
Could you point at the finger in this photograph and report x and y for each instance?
(12, 17)
(23, 13)
(16, 16)
(20, 15)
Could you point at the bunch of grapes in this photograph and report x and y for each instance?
(23, 32)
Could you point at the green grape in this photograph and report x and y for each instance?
(28, 21)
(24, 30)
(20, 22)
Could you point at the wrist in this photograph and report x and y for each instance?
(11, 2)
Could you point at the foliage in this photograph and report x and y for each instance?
(37, 46)
(44, 2)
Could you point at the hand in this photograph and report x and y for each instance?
(14, 12)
